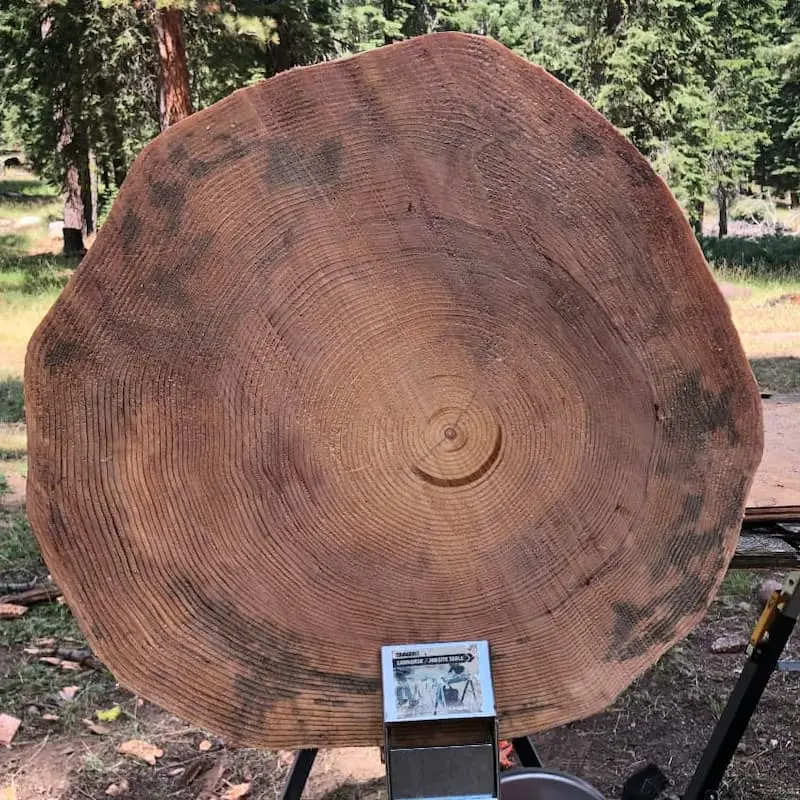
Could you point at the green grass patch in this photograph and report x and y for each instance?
(34, 274)
(22, 195)
(20, 559)
(28, 686)
(780, 374)
(738, 584)
(12, 401)
(763, 258)
(21, 313)
(22, 182)
(43, 621)
(26, 682)
(13, 441)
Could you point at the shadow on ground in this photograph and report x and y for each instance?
(25, 192)
(780, 374)
(31, 274)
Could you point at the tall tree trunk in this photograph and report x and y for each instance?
(120, 170)
(74, 161)
(68, 152)
(90, 192)
(388, 13)
(116, 142)
(280, 51)
(174, 96)
(73, 211)
(615, 13)
(697, 218)
(722, 199)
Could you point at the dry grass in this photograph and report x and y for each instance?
(768, 323)
(19, 316)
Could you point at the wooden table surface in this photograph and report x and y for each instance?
(777, 481)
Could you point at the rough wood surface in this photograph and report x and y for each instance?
(409, 346)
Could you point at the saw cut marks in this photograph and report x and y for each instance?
(407, 347)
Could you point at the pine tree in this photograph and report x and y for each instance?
(741, 86)
(778, 164)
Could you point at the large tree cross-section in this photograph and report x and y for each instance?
(367, 354)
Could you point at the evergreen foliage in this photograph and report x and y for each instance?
(708, 90)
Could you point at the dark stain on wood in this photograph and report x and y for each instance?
(681, 549)
(736, 497)
(693, 413)
(168, 196)
(627, 617)
(227, 150)
(584, 145)
(692, 508)
(167, 285)
(63, 352)
(129, 230)
(271, 666)
(640, 173)
(630, 639)
(330, 702)
(326, 163)
(288, 165)
(532, 707)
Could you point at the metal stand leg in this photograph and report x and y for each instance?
(743, 701)
(298, 776)
(526, 752)
(766, 645)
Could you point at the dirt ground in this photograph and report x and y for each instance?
(665, 717)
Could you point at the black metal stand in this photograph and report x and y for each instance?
(758, 669)
(526, 752)
(766, 645)
(304, 761)
(768, 641)
(298, 776)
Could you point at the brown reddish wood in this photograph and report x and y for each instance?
(410, 346)
(772, 514)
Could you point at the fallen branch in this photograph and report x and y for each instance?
(83, 656)
(29, 597)
(10, 588)
(10, 611)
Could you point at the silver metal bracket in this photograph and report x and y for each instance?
(440, 723)
(791, 596)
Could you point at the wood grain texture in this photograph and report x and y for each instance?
(412, 346)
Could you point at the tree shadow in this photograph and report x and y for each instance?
(32, 274)
(780, 374)
(24, 191)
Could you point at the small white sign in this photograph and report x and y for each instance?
(434, 681)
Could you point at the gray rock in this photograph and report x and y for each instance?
(729, 644)
(765, 590)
